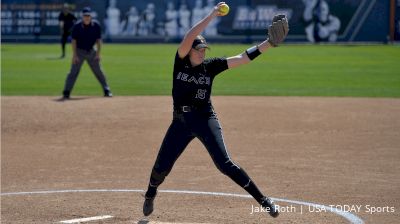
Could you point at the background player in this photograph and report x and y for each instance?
(66, 20)
(194, 116)
(85, 34)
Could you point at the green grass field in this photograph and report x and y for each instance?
(136, 69)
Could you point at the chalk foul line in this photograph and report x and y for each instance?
(95, 218)
(347, 215)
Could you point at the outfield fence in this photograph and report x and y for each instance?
(167, 21)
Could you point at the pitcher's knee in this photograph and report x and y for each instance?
(228, 168)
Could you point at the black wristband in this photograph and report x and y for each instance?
(253, 52)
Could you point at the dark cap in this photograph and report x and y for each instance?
(199, 42)
(87, 11)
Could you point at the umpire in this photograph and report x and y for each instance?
(85, 34)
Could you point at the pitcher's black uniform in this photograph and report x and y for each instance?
(194, 116)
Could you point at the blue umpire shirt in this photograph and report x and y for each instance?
(86, 35)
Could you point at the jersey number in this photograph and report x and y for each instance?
(201, 94)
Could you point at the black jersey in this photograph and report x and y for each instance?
(192, 85)
(69, 19)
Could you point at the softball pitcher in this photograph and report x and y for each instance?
(194, 116)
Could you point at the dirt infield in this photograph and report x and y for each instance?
(328, 151)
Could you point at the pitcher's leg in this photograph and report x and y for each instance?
(212, 137)
(174, 143)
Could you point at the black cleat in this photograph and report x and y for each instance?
(64, 98)
(66, 95)
(148, 206)
(269, 205)
(107, 93)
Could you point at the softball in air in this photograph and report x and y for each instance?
(223, 9)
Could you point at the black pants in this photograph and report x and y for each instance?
(64, 39)
(205, 126)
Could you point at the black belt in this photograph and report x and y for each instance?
(186, 109)
(87, 51)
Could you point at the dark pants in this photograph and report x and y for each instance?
(204, 126)
(90, 57)
(64, 39)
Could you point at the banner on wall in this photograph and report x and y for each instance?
(310, 20)
(397, 22)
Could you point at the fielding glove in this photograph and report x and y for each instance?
(278, 30)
